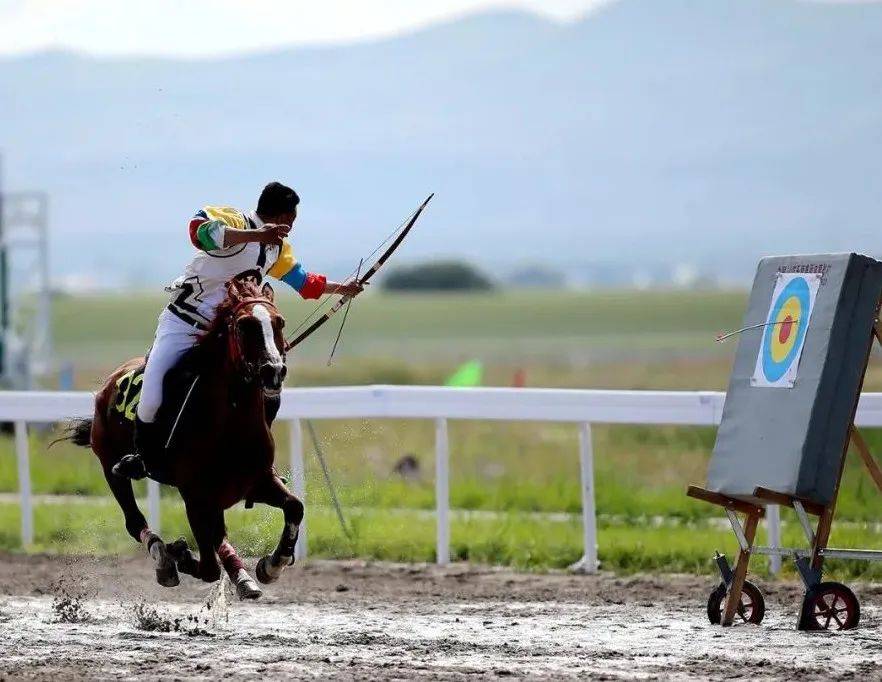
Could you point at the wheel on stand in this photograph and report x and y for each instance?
(751, 609)
(829, 606)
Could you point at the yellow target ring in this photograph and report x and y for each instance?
(786, 329)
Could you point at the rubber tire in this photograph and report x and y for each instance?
(807, 621)
(717, 597)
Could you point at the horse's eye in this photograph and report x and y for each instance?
(281, 323)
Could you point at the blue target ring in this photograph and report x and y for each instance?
(797, 288)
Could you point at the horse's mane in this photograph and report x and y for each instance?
(236, 291)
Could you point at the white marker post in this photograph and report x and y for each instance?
(24, 483)
(773, 528)
(588, 562)
(442, 493)
(298, 481)
(153, 519)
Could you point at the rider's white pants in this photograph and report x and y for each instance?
(174, 337)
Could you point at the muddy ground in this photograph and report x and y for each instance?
(76, 618)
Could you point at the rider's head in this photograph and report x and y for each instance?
(278, 204)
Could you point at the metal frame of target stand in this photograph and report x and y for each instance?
(809, 561)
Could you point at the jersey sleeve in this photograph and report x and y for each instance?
(287, 269)
(208, 226)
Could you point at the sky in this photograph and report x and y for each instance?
(204, 28)
(207, 28)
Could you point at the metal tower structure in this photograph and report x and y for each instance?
(25, 293)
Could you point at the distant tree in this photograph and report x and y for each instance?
(536, 277)
(437, 276)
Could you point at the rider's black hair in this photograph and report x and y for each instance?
(276, 199)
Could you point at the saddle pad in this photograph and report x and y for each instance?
(128, 392)
(176, 385)
(795, 382)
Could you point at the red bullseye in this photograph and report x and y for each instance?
(786, 329)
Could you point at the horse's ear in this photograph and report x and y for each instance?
(267, 292)
(233, 288)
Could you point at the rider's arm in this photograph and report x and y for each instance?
(348, 289)
(207, 234)
(307, 284)
(292, 273)
(271, 234)
(215, 228)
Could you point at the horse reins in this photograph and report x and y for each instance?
(233, 335)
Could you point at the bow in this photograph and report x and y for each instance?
(367, 275)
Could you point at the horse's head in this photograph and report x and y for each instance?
(256, 345)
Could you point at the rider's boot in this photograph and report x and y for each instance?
(132, 466)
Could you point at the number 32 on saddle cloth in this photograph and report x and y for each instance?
(128, 392)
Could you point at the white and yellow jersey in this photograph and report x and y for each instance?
(197, 292)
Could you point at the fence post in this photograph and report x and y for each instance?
(588, 562)
(773, 528)
(153, 505)
(24, 483)
(442, 493)
(298, 480)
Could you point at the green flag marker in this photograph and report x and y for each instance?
(470, 373)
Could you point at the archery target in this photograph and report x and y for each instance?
(785, 329)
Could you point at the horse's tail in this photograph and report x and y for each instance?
(78, 432)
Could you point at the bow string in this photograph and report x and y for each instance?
(401, 231)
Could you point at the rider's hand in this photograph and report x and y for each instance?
(350, 289)
(273, 233)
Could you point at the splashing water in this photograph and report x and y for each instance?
(217, 602)
(69, 602)
(212, 615)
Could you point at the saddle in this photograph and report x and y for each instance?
(177, 384)
(180, 386)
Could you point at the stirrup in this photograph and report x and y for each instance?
(130, 466)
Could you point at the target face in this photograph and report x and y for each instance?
(786, 326)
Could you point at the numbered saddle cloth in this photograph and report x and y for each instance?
(178, 387)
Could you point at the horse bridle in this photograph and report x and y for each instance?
(250, 372)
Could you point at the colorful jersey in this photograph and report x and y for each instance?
(197, 292)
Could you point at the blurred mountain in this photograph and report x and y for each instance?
(708, 132)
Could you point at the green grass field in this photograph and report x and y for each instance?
(418, 338)
(607, 340)
(513, 538)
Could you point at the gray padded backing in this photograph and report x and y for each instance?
(792, 440)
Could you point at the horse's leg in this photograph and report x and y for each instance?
(246, 587)
(273, 492)
(136, 525)
(207, 523)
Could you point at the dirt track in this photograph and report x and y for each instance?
(351, 620)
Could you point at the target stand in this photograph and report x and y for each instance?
(787, 425)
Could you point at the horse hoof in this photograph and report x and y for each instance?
(166, 569)
(178, 548)
(186, 560)
(246, 588)
(168, 576)
(261, 572)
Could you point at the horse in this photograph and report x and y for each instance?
(221, 447)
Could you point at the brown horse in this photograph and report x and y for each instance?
(221, 451)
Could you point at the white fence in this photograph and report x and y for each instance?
(582, 407)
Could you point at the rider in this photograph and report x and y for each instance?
(229, 243)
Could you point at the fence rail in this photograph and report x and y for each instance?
(581, 407)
